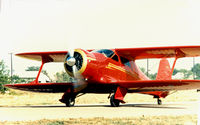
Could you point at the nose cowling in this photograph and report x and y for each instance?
(77, 61)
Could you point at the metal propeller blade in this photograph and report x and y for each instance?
(71, 52)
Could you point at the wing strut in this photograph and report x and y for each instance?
(173, 66)
(179, 54)
(44, 60)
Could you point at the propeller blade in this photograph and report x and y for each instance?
(81, 83)
(71, 52)
(72, 64)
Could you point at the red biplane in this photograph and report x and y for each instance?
(112, 71)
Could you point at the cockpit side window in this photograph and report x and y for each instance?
(108, 53)
(115, 57)
(125, 61)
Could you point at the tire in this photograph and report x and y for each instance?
(114, 102)
(159, 101)
(70, 102)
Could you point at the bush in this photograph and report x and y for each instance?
(4, 76)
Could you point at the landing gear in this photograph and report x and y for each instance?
(68, 99)
(70, 102)
(114, 102)
(159, 101)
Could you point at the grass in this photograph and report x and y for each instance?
(150, 120)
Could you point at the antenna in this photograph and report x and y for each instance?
(193, 66)
(11, 67)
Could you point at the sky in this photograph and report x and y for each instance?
(52, 25)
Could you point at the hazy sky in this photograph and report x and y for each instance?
(46, 25)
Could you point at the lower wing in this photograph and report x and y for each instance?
(159, 85)
(42, 87)
(134, 86)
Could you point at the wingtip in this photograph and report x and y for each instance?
(8, 85)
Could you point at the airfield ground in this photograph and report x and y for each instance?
(20, 107)
(22, 98)
(149, 120)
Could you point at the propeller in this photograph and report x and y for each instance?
(71, 52)
(73, 63)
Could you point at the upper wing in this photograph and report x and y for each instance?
(159, 85)
(160, 52)
(136, 53)
(56, 56)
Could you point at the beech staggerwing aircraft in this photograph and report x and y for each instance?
(112, 71)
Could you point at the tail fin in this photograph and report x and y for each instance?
(164, 70)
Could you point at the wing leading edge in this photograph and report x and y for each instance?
(160, 52)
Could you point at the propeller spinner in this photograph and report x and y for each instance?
(71, 61)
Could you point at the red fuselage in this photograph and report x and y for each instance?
(103, 69)
(99, 70)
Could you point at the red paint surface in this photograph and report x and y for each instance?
(120, 94)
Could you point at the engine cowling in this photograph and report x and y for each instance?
(79, 60)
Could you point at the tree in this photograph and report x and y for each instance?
(151, 76)
(63, 77)
(17, 79)
(196, 70)
(33, 68)
(37, 68)
(4, 76)
(186, 73)
(175, 71)
(143, 69)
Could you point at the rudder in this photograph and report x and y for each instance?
(164, 70)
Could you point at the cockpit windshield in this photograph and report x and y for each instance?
(107, 52)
